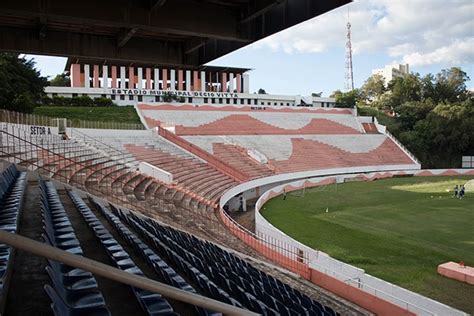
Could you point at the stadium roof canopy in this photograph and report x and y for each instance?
(102, 61)
(160, 32)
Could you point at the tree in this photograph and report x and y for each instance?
(261, 91)
(61, 80)
(450, 85)
(21, 85)
(346, 99)
(373, 88)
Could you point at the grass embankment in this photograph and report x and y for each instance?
(118, 114)
(397, 229)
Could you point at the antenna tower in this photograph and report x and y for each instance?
(349, 82)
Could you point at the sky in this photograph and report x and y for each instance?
(429, 35)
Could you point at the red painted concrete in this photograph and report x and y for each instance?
(95, 76)
(455, 271)
(230, 108)
(357, 296)
(114, 76)
(76, 75)
(148, 78)
(243, 124)
(325, 156)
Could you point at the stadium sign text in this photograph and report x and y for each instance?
(191, 94)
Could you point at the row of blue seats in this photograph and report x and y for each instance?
(74, 291)
(12, 190)
(167, 274)
(241, 273)
(273, 292)
(247, 284)
(188, 262)
(151, 303)
(186, 265)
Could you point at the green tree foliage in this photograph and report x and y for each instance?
(346, 99)
(261, 91)
(21, 85)
(432, 115)
(61, 80)
(373, 88)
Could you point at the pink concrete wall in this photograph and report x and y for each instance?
(95, 76)
(180, 79)
(164, 78)
(224, 82)
(76, 76)
(131, 77)
(114, 76)
(239, 83)
(148, 78)
(357, 296)
(196, 84)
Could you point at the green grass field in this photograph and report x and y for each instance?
(119, 114)
(396, 229)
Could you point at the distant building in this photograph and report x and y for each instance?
(130, 84)
(391, 72)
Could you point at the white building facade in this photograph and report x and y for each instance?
(390, 72)
(130, 85)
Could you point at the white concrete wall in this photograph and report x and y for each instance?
(155, 172)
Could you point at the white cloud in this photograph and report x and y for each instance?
(420, 32)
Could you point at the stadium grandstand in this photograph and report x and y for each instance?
(147, 221)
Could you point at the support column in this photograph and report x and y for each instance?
(231, 82)
(122, 77)
(131, 77)
(140, 78)
(246, 83)
(164, 78)
(172, 80)
(196, 80)
(87, 76)
(156, 79)
(239, 83)
(188, 80)
(105, 76)
(203, 81)
(75, 75)
(114, 77)
(148, 78)
(224, 82)
(180, 80)
(95, 74)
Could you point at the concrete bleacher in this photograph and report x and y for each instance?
(190, 173)
(290, 153)
(136, 244)
(215, 121)
(289, 139)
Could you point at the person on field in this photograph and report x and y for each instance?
(461, 191)
(456, 190)
(284, 194)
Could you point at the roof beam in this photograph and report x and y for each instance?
(155, 5)
(93, 46)
(175, 18)
(125, 36)
(261, 11)
(193, 44)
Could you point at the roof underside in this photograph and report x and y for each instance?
(183, 33)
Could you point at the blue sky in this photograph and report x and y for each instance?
(428, 34)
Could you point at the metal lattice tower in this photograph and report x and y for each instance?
(349, 82)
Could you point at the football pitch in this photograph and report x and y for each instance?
(397, 229)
